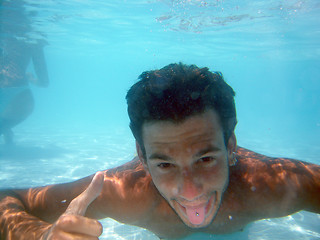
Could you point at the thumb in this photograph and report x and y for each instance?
(79, 205)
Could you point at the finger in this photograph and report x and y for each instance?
(79, 205)
(79, 225)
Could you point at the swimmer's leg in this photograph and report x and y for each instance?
(16, 111)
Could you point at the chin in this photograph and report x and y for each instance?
(198, 226)
(210, 205)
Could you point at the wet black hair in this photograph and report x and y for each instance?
(176, 92)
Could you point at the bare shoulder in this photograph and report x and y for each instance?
(126, 188)
(257, 169)
(128, 193)
(128, 177)
(268, 187)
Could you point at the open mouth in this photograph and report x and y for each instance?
(197, 214)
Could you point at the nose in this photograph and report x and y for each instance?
(190, 186)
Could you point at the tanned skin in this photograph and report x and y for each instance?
(139, 192)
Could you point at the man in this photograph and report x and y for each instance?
(16, 98)
(17, 51)
(189, 175)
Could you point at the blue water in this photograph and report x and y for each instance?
(268, 51)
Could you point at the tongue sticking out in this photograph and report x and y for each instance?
(196, 214)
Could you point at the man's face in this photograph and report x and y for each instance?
(188, 163)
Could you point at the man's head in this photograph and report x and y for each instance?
(176, 92)
(183, 119)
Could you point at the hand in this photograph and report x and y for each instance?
(72, 224)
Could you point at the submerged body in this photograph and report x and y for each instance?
(189, 175)
(16, 98)
(256, 187)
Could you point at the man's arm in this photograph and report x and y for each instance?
(15, 222)
(127, 195)
(282, 186)
(23, 212)
(311, 187)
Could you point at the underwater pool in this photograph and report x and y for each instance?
(268, 51)
(56, 155)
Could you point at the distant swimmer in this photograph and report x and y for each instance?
(17, 51)
(189, 176)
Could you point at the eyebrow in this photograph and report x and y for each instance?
(207, 150)
(159, 156)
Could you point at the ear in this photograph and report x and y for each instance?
(141, 157)
(231, 148)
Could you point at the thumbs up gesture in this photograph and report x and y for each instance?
(72, 224)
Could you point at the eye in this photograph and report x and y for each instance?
(207, 160)
(165, 165)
